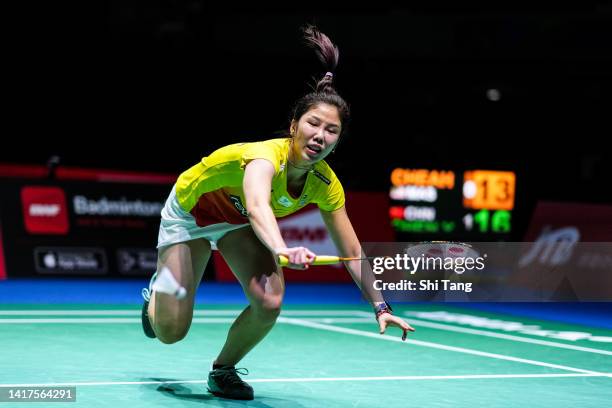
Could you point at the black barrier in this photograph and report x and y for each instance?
(80, 228)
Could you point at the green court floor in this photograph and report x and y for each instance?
(314, 357)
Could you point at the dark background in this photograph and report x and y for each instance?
(154, 85)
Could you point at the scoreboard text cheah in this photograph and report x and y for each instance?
(465, 204)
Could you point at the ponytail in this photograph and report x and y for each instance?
(324, 92)
(328, 54)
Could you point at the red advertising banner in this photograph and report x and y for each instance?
(2, 265)
(571, 221)
(74, 224)
(368, 214)
(569, 251)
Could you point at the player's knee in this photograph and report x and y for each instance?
(269, 309)
(170, 332)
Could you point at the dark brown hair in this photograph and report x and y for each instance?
(324, 91)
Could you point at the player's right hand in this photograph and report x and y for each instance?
(299, 257)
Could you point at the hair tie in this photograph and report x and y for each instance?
(329, 74)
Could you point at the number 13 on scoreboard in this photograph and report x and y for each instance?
(491, 190)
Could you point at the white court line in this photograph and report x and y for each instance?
(321, 379)
(325, 320)
(300, 322)
(466, 330)
(70, 312)
(477, 332)
(367, 317)
(116, 320)
(136, 312)
(508, 337)
(128, 312)
(102, 320)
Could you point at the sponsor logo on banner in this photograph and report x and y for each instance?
(553, 247)
(70, 260)
(116, 207)
(567, 253)
(136, 261)
(44, 210)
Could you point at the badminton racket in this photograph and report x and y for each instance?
(443, 249)
(325, 259)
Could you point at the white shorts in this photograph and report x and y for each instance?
(177, 225)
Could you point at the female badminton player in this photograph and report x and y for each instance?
(230, 201)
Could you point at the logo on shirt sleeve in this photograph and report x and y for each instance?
(322, 177)
(238, 204)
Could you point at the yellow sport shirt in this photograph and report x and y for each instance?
(212, 189)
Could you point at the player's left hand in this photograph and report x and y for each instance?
(387, 319)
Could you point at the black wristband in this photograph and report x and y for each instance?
(382, 308)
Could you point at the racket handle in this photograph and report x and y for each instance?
(319, 260)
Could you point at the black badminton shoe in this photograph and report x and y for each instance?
(144, 315)
(224, 382)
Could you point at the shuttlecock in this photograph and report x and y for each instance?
(166, 283)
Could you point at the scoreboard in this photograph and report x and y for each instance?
(471, 205)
